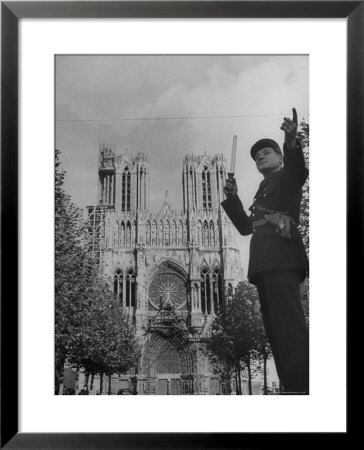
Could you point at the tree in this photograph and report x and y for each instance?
(107, 342)
(72, 270)
(263, 348)
(304, 136)
(234, 334)
(91, 329)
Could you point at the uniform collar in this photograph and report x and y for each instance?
(273, 174)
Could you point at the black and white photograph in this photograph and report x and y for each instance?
(181, 224)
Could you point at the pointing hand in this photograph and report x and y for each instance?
(290, 129)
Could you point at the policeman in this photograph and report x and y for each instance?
(278, 262)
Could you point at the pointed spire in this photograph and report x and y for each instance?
(166, 205)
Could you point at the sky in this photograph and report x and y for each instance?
(170, 106)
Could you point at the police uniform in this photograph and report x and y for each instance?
(277, 265)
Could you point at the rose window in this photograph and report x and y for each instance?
(168, 288)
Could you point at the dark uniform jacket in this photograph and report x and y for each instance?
(281, 191)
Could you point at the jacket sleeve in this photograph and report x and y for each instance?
(236, 213)
(295, 171)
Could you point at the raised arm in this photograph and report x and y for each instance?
(235, 210)
(295, 171)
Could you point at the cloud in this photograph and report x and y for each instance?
(182, 91)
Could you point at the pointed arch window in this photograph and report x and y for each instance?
(107, 188)
(212, 234)
(179, 233)
(221, 174)
(167, 234)
(217, 233)
(205, 234)
(122, 234)
(118, 285)
(147, 238)
(205, 292)
(101, 189)
(130, 289)
(185, 233)
(174, 233)
(192, 188)
(145, 189)
(217, 289)
(125, 190)
(128, 233)
(116, 235)
(196, 296)
(199, 233)
(154, 233)
(141, 191)
(160, 233)
(140, 188)
(206, 190)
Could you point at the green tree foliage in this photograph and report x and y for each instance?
(237, 335)
(91, 329)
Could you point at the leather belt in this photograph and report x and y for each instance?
(258, 223)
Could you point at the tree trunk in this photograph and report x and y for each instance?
(92, 382)
(109, 389)
(59, 376)
(236, 383)
(87, 376)
(239, 392)
(77, 381)
(249, 378)
(101, 383)
(265, 392)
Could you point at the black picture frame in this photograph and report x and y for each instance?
(11, 13)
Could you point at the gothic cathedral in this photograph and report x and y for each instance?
(169, 269)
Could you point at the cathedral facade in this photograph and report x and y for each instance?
(168, 268)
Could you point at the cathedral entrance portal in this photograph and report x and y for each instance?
(168, 357)
(168, 364)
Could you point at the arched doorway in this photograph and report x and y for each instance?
(167, 362)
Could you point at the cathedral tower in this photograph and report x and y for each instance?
(203, 178)
(123, 180)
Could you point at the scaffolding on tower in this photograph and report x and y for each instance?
(96, 228)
